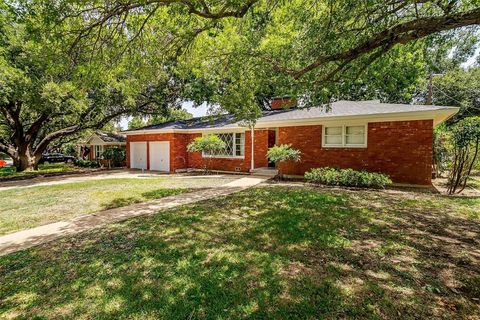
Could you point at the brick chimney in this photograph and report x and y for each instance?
(285, 102)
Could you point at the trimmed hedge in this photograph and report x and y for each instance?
(348, 178)
(86, 163)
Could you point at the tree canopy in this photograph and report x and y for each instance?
(246, 51)
(460, 88)
(47, 94)
(68, 66)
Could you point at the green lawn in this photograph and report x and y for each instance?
(23, 208)
(42, 169)
(474, 182)
(267, 252)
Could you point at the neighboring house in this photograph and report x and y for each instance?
(93, 147)
(395, 139)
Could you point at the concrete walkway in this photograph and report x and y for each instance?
(28, 238)
(99, 175)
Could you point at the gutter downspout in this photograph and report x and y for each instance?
(252, 135)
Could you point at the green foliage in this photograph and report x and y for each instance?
(441, 149)
(136, 122)
(348, 178)
(69, 149)
(246, 62)
(86, 163)
(283, 153)
(3, 156)
(173, 115)
(116, 156)
(42, 169)
(466, 145)
(459, 88)
(50, 89)
(209, 144)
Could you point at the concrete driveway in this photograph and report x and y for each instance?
(197, 180)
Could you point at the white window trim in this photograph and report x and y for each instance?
(344, 135)
(95, 151)
(225, 156)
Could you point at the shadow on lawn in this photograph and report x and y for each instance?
(264, 253)
(146, 196)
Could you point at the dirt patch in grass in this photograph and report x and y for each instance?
(268, 252)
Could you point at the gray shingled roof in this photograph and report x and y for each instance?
(110, 137)
(336, 109)
(344, 108)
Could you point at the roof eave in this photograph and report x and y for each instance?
(437, 115)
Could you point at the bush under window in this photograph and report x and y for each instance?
(348, 178)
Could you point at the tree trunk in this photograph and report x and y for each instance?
(26, 161)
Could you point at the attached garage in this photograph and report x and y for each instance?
(138, 155)
(159, 153)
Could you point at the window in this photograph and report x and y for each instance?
(234, 145)
(345, 136)
(98, 151)
(333, 136)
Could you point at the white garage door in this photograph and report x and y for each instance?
(160, 156)
(138, 155)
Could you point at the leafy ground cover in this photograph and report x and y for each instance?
(267, 252)
(42, 169)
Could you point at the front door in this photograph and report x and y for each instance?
(272, 138)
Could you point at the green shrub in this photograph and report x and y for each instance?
(69, 149)
(347, 177)
(86, 163)
(116, 156)
(209, 145)
(283, 153)
(465, 153)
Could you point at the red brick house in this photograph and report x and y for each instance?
(395, 139)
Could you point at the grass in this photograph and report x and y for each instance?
(267, 252)
(474, 182)
(30, 207)
(42, 169)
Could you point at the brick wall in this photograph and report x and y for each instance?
(181, 159)
(401, 149)
(156, 137)
(195, 159)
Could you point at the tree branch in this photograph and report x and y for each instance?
(400, 34)
(120, 8)
(35, 127)
(43, 144)
(4, 147)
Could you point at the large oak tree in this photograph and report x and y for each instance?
(48, 94)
